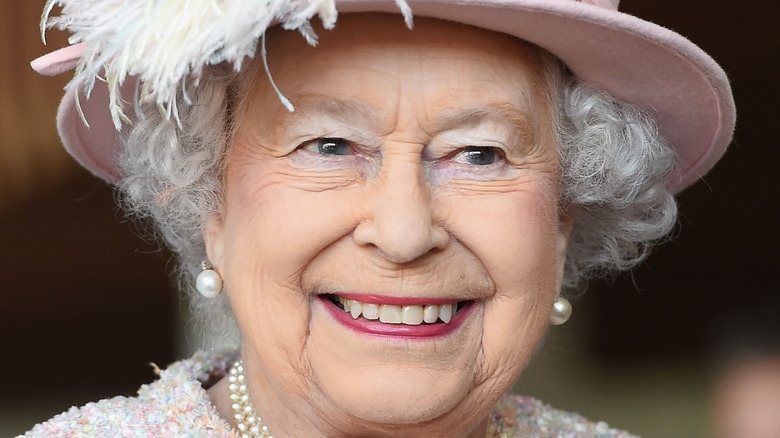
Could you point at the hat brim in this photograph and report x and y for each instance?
(636, 61)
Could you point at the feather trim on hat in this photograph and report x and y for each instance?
(167, 42)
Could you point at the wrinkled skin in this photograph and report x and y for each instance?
(401, 208)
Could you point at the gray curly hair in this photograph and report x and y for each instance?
(613, 169)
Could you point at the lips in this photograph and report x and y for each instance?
(407, 317)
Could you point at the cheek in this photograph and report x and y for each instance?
(271, 311)
(514, 235)
(272, 229)
(284, 220)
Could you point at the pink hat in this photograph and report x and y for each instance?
(636, 61)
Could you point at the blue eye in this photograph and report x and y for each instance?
(333, 146)
(478, 155)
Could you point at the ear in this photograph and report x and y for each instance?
(565, 225)
(213, 237)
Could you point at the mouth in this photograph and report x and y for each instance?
(405, 317)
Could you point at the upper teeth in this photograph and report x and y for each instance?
(397, 314)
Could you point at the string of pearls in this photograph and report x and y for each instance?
(248, 423)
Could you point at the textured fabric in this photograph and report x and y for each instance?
(516, 416)
(176, 405)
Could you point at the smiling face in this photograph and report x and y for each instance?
(392, 248)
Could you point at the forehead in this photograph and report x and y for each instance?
(375, 60)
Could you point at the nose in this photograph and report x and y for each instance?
(401, 221)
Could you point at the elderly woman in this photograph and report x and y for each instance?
(381, 226)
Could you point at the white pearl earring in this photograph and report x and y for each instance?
(561, 311)
(208, 283)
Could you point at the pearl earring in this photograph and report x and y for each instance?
(561, 311)
(208, 283)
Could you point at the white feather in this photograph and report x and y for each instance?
(165, 42)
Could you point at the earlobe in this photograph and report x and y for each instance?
(566, 218)
(213, 238)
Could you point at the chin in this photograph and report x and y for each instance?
(394, 380)
(397, 395)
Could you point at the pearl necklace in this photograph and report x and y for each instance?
(248, 423)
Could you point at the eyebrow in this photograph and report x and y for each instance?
(520, 122)
(356, 112)
(352, 111)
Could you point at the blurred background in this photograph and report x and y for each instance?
(87, 304)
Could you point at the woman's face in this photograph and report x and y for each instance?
(417, 177)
